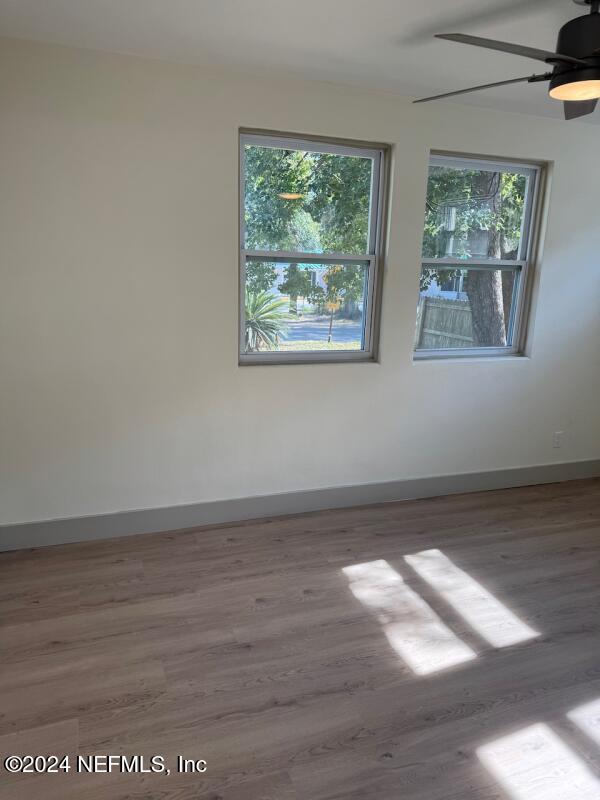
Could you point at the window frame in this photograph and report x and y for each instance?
(372, 259)
(523, 267)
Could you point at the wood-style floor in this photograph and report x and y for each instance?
(246, 646)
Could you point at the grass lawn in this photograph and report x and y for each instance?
(318, 345)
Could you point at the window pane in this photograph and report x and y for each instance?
(474, 213)
(304, 307)
(302, 201)
(461, 308)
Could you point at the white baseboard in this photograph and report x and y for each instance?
(152, 520)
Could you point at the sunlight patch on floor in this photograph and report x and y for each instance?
(479, 608)
(411, 626)
(535, 764)
(587, 719)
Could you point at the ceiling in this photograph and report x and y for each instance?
(381, 44)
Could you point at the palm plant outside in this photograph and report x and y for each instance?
(265, 321)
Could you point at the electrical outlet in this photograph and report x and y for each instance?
(557, 439)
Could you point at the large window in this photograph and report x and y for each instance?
(476, 257)
(310, 237)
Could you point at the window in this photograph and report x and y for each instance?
(310, 237)
(475, 257)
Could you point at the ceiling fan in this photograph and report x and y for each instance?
(575, 77)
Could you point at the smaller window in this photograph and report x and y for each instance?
(475, 257)
(310, 244)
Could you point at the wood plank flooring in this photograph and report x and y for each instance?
(245, 646)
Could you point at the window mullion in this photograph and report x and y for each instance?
(482, 264)
(283, 256)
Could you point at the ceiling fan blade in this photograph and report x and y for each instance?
(581, 108)
(480, 13)
(528, 79)
(515, 49)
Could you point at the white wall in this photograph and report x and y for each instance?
(118, 303)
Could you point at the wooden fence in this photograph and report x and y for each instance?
(443, 323)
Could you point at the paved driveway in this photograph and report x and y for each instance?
(318, 330)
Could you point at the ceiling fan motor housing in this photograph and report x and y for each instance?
(580, 38)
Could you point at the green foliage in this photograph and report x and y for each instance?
(331, 215)
(304, 232)
(298, 283)
(344, 283)
(341, 192)
(265, 320)
(269, 172)
(260, 276)
(463, 202)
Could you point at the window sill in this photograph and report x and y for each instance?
(306, 359)
(511, 357)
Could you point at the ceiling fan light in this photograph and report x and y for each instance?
(577, 91)
(576, 85)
